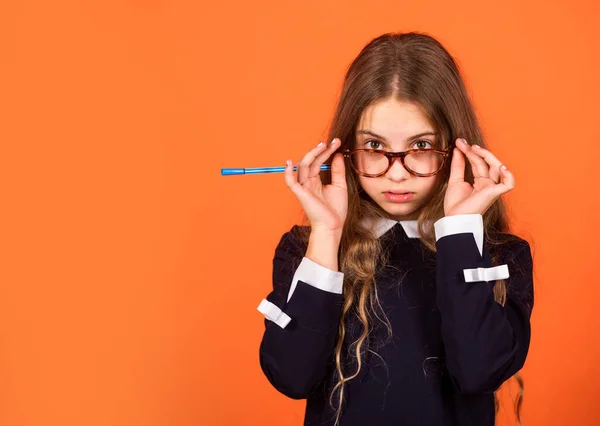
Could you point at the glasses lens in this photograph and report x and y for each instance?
(371, 163)
(424, 161)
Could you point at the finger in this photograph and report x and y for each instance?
(506, 184)
(491, 160)
(304, 196)
(315, 167)
(338, 171)
(507, 178)
(290, 178)
(303, 165)
(495, 174)
(478, 164)
(457, 166)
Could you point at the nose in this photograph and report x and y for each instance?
(397, 172)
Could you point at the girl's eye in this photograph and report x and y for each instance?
(372, 144)
(422, 145)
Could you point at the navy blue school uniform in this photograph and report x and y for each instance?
(452, 344)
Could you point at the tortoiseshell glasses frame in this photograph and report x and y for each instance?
(391, 156)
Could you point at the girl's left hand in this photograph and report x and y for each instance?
(491, 180)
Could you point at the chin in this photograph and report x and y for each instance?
(401, 211)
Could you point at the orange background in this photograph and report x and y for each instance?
(131, 270)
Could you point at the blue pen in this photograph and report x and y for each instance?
(261, 170)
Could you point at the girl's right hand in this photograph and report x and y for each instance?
(325, 205)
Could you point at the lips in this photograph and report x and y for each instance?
(398, 197)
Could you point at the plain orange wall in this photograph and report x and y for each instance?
(131, 270)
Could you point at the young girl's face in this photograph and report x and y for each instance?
(395, 126)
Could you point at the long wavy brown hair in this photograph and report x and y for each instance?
(410, 67)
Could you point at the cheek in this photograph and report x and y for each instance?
(368, 184)
(430, 184)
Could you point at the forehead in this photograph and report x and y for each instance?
(395, 120)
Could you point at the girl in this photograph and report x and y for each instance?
(407, 301)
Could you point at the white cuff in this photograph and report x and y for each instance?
(460, 224)
(272, 312)
(317, 276)
(486, 274)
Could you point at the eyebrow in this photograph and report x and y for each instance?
(368, 132)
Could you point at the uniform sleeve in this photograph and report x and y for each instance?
(302, 314)
(485, 343)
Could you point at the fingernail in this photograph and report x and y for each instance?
(288, 162)
(476, 146)
(503, 167)
(464, 141)
(333, 141)
(319, 144)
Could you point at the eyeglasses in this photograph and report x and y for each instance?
(376, 162)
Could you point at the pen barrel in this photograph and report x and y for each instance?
(229, 172)
(261, 170)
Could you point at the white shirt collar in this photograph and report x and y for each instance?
(382, 225)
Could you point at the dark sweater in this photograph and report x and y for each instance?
(452, 344)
